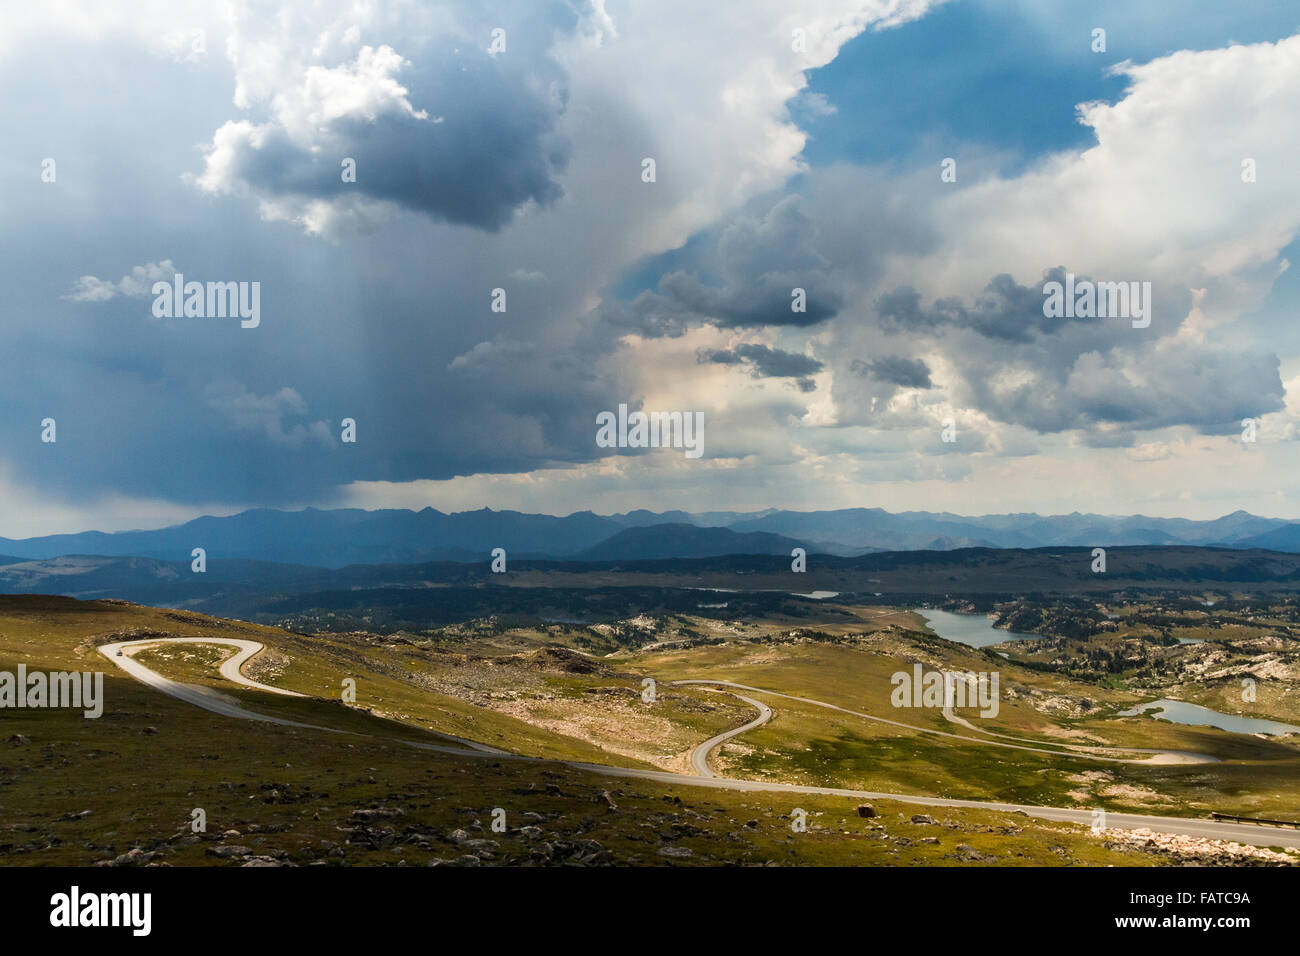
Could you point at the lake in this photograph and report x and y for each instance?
(1181, 712)
(973, 630)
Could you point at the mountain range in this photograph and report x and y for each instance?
(342, 537)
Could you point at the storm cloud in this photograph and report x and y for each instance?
(764, 361)
(442, 129)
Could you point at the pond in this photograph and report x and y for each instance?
(1181, 712)
(973, 630)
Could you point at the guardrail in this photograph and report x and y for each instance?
(1214, 815)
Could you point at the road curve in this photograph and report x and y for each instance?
(944, 733)
(207, 698)
(120, 653)
(700, 755)
(1158, 756)
(221, 704)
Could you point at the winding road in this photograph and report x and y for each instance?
(121, 654)
(217, 702)
(1158, 756)
(700, 756)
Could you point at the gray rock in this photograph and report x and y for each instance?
(228, 851)
(379, 813)
(484, 849)
(130, 857)
(676, 852)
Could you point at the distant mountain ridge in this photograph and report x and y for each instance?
(341, 537)
(680, 540)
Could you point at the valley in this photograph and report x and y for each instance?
(714, 730)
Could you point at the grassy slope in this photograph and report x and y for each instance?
(811, 745)
(150, 760)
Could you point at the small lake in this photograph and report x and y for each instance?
(1181, 712)
(973, 630)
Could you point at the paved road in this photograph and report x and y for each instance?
(1188, 826)
(221, 704)
(1158, 756)
(700, 756)
(204, 697)
(972, 740)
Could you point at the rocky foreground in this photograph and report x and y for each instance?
(1199, 851)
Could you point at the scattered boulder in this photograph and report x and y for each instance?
(228, 851)
(378, 813)
(1191, 850)
(130, 857)
(483, 849)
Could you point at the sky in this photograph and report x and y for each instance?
(919, 169)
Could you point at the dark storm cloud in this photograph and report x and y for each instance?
(766, 362)
(1005, 310)
(470, 142)
(894, 370)
(762, 260)
(491, 154)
